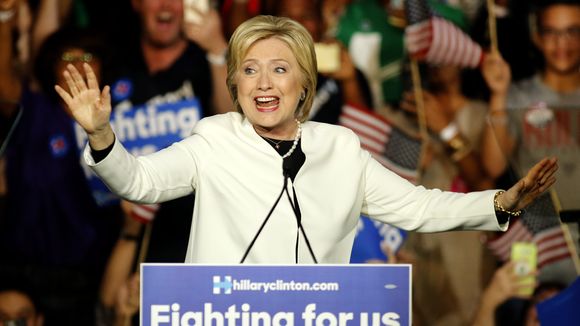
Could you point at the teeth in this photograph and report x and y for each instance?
(265, 99)
(165, 15)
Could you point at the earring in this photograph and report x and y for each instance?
(302, 96)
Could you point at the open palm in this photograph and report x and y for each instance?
(539, 178)
(89, 106)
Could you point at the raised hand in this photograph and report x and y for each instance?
(505, 284)
(497, 73)
(89, 106)
(208, 33)
(539, 178)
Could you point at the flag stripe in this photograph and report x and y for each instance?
(554, 259)
(368, 132)
(513, 233)
(555, 254)
(438, 41)
(548, 234)
(144, 212)
(519, 233)
(367, 117)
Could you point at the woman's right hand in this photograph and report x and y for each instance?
(89, 106)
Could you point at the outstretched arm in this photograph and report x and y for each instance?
(89, 106)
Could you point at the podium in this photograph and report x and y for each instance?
(244, 295)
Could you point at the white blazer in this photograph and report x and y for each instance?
(237, 176)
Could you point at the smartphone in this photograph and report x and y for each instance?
(327, 57)
(525, 256)
(191, 16)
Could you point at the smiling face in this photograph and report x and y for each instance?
(559, 38)
(269, 87)
(161, 20)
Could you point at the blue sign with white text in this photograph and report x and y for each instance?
(244, 295)
(372, 238)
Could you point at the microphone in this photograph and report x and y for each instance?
(286, 170)
(298, 214)
(287, 174)
(265, 221)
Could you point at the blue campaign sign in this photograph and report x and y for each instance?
(143, 130)
(244, 295)
(371, 236)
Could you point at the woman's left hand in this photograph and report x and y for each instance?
(539, 178)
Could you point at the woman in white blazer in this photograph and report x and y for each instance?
(270, 187)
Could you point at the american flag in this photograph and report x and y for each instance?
(438, 41)
(540, 225)
(144, 213)
(386, 143)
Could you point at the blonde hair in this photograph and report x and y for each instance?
(290, 32)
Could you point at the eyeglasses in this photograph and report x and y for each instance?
(569, 34)
(72, 57)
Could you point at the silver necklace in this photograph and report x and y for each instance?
(276, 144)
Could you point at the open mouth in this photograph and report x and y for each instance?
(267, 103)
(164, 18)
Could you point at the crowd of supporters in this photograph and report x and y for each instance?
(69, 250)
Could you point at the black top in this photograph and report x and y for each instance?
(292, 163)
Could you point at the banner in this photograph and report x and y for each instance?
(143, 130)
(243, 295)
(371, 239)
